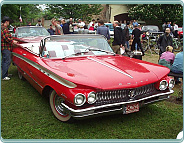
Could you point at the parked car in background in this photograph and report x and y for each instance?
(180, 32)
(30, 33)
(83, 77)
(150, 28)
(111, 28)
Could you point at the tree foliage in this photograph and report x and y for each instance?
(28, 12)
(160, 12)
(76, 11)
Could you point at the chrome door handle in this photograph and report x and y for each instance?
(24, 54)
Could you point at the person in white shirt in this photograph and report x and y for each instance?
(80, 26)
(175, 30)
(96, 24)
(39, 23)
(92, 22)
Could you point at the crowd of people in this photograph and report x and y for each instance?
(121, 35)
(174, 63)
(173, 29)
(126, 35)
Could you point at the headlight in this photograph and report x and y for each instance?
(171, 83)
(91, 97)
(79, 99)
(163, 85)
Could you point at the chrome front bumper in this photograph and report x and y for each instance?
(79, 113)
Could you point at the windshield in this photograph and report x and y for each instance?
(73, 46)
(31, 31)
(150, 28)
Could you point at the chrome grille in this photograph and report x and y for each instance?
(115, 96)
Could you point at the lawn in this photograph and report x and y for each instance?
(25, 114)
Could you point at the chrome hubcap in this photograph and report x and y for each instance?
(58, 100)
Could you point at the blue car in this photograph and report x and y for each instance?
(111, 28)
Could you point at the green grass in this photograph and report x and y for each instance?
(25, 114)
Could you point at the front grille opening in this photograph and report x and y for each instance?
(116, 96)
(108, 109)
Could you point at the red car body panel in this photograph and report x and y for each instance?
(87, 72)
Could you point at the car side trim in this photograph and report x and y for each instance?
(30, 77)
(47, 72)
(114, 104)
(111, 67)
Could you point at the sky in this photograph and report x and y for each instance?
(43, 6)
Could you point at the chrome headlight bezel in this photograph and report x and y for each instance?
(166, 85)
(77, 96)
(171, 80)
(92, 95)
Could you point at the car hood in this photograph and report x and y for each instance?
(107, 72)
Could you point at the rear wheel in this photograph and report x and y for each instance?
(57, 109)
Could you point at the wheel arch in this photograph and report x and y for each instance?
(46, 90)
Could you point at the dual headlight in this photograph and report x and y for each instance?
(164, 84)
(80, 98)
(171, 83)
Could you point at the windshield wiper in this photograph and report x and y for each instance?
(96, 49)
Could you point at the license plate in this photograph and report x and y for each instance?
(131, 108)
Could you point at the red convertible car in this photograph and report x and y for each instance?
(83, 77)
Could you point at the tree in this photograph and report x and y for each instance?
(29, 12)
(160, 12)
(76, 11)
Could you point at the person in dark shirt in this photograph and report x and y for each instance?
(103, 30)
(65, 27)
(51, 30)
(165, 40)
(136, 39)
(127, 35)
(119, 38)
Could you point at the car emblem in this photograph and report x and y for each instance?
(131, 94)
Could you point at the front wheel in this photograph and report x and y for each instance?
(57, 109)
